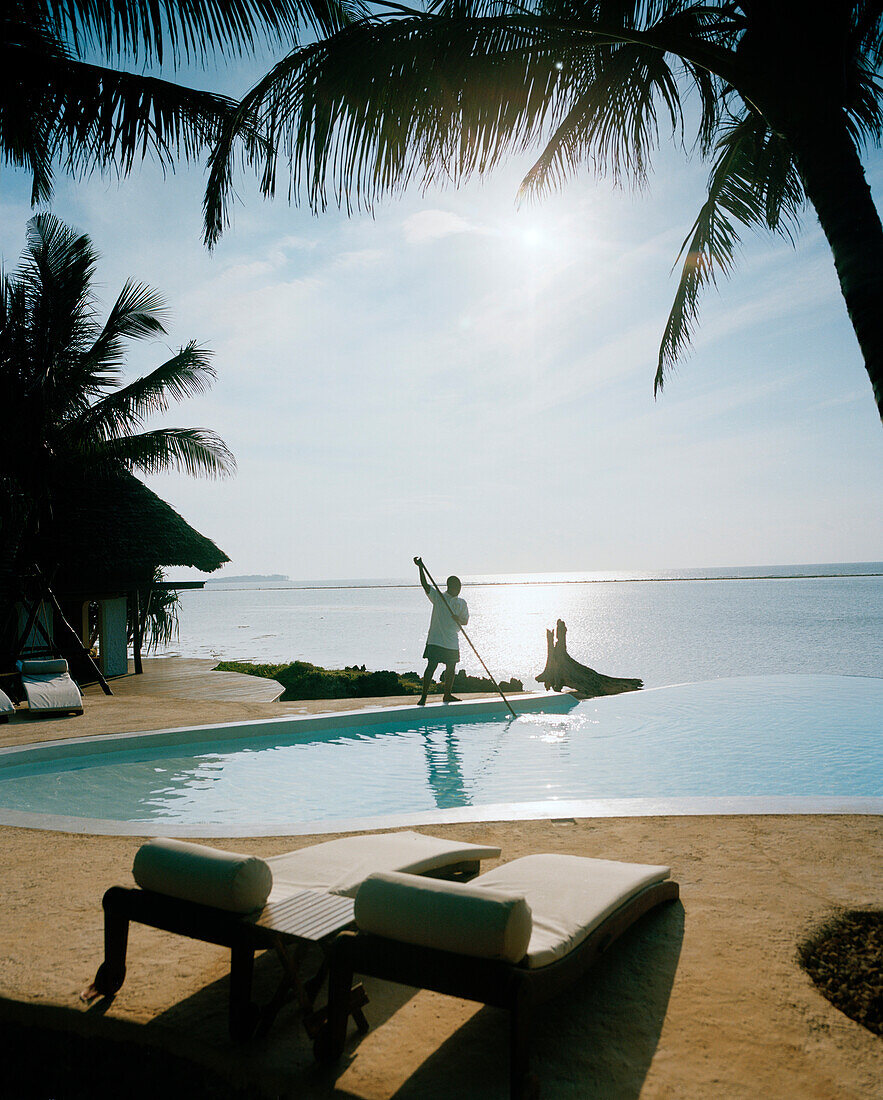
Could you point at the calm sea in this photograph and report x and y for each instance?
(666, 628)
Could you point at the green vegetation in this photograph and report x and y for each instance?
(845, 960)
(305, 681)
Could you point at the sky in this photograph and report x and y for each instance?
(466, 379)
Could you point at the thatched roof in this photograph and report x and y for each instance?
(118, 531)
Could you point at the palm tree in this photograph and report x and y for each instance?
(67, 414)
(784, 97)
(69, 423)
(64, 102)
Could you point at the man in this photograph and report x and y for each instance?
(449, 613)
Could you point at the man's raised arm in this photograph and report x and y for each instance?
(419, 563)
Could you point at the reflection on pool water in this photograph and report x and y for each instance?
(769, 735)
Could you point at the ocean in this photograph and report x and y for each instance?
(670, 627)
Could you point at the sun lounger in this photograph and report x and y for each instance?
(49, 688)
(6, 707)
(248, 904)
(512, 937)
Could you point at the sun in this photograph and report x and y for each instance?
(532, 237)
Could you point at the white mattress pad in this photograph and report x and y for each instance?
(341, 866)
(569, 896)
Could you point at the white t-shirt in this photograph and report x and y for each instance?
(443, 630)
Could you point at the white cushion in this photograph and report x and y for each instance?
(341, 866)
(44, 666)
(569, 896)
(449, 916)
(48, 686)
(6, 706)
(194, 872)
(46, 693)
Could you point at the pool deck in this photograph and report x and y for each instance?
(190, 678)
(177, 691)
(702, 999)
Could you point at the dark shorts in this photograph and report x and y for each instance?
(441, 655)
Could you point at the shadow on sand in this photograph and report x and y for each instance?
(280, 1063)
(52, 1052)
(594, 1043)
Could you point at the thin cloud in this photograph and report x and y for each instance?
(363, 257)
(297, 244)
(433, 225)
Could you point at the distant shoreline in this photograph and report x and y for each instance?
(537, 583)
(248, 578)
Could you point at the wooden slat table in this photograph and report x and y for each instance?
(295, 925)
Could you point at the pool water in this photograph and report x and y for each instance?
(749, 736)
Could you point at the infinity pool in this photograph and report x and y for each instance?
(770, 736)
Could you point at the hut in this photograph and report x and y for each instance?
(100, 553)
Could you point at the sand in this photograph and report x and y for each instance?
(703, 998)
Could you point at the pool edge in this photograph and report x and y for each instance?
(528, 702)
(724, 806)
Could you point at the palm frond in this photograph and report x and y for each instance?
(57, 262)
(194, 451)
(58, 111)
(754, 182)
(189, 372)
(137, 313)
(382, 105)
(25, 135)
(103, 118)
(26, 42)
(149, 29)
(613, 125)
(867, 31)
(58, 372)
(427, 99)
(864, 114)
(55, 281)
(160, 615)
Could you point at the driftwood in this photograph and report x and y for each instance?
(563, 671)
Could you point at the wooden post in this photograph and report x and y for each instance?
(136, 631)
(330, 1041)
(520, 1085)
(243, 1017)
(76, 639)
(112, 972)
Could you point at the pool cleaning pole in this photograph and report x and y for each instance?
(419, 561)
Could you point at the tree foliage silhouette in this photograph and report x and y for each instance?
(65, 100)
(784, 97)
(69, 413)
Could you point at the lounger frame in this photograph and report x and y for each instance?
(123, 905)
(489, 981)
(240, 933)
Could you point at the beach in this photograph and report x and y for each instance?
(703, 997)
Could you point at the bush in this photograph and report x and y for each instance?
(462, 682)
(303, 680)
(845, 960)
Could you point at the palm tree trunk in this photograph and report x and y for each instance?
(835, 183)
